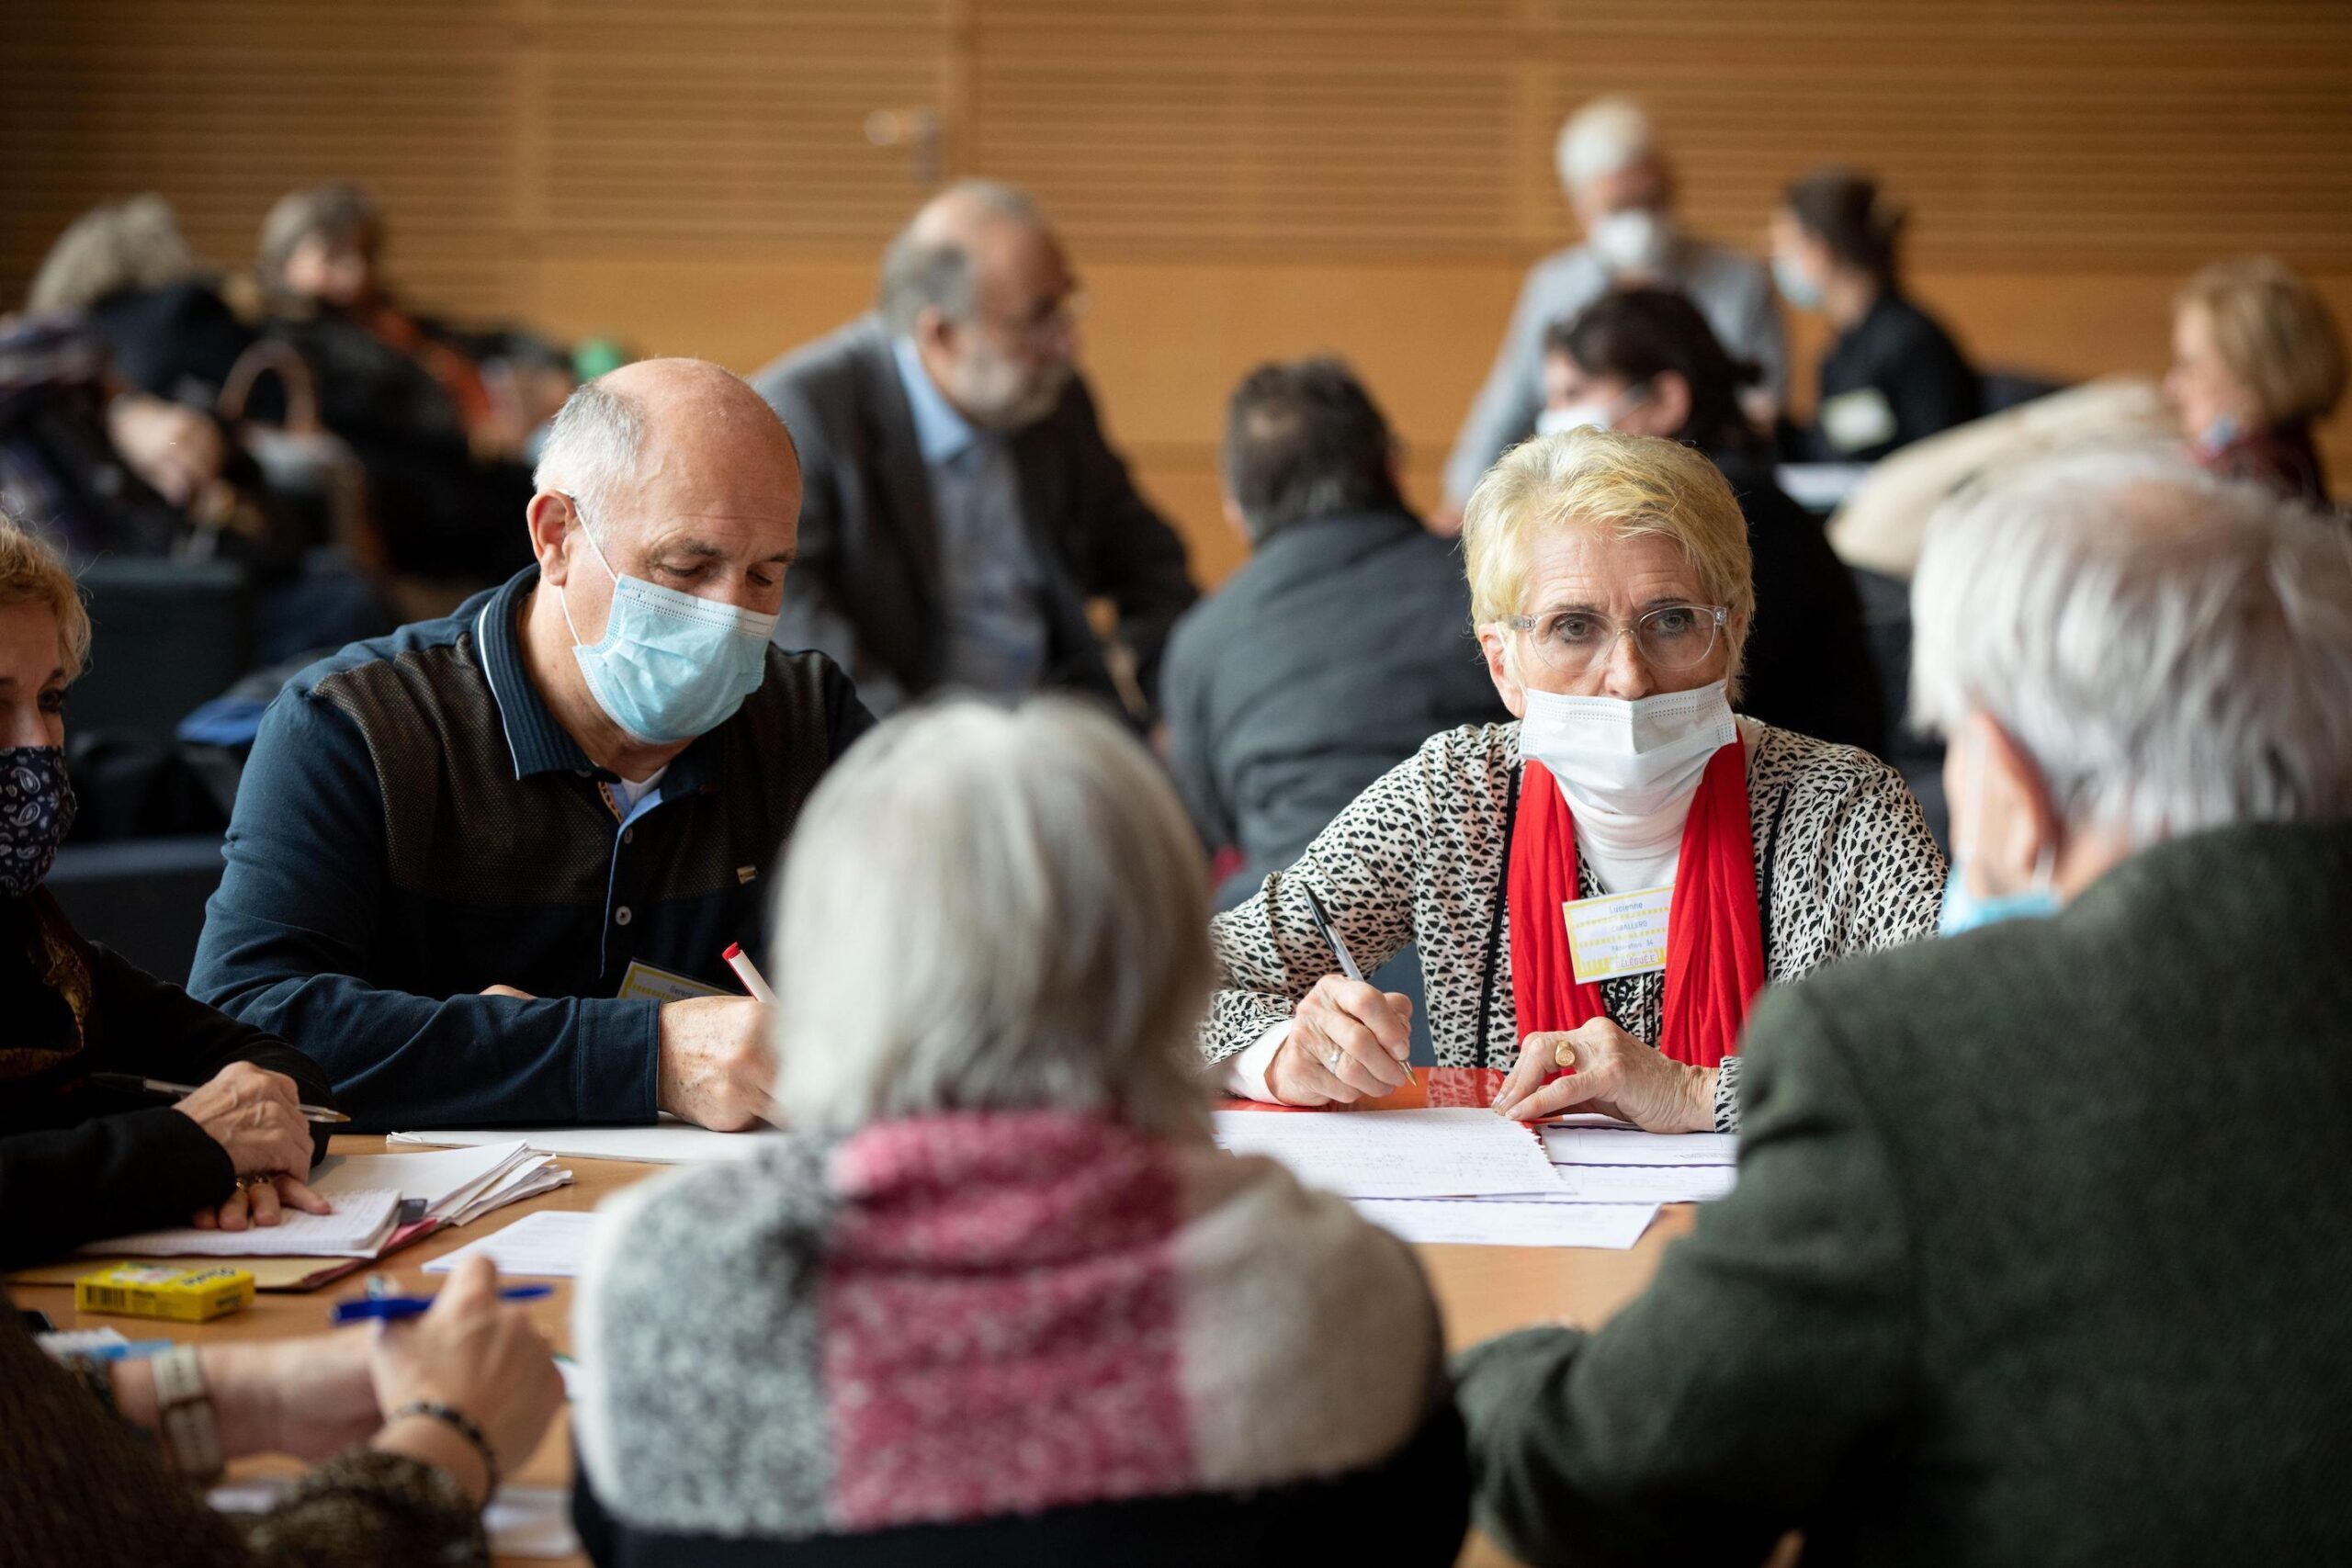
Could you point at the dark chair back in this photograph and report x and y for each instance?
(167, 636)
(144, 897)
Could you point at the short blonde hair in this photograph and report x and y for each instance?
(33, 573)
(1622, 486)
(2274, 333)
(992, 909)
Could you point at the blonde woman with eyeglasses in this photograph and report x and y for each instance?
(1600, 889)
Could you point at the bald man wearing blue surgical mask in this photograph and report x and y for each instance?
(485, 869)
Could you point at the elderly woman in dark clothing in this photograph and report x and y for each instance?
(76, 1162)
(1645, 361)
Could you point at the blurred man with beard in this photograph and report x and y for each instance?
(961, 505)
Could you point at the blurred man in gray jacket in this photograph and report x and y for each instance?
(1341, 645)
(1622, 188)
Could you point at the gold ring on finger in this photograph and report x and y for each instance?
(1563, 1055)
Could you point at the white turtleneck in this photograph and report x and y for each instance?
(1629, 853)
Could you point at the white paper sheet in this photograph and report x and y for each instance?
(1394, 1154)
(521, 1521)
(548, 1245)
(1503, 1223)
(1610, 1145)
(670, 1143)
(1646, 1183)
(360, 1224)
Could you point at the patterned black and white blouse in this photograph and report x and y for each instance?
(1844, 863)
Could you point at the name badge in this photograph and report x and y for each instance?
(1622, 934)
(1857, 419)
(644, 983)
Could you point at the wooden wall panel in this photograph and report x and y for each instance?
(1238, 179)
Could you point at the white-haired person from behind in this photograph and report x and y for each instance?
(2024, 1216)
(1620, 183)
(996, 1296)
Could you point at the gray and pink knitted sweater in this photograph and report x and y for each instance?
(985, 1337)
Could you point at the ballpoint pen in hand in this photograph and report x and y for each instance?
(131, 1083)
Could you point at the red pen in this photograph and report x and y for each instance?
(746, 972)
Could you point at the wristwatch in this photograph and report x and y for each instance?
(191, 1435)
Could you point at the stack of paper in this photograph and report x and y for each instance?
(670, 1142)
(1471, 1178)
(453, 1187)
(1599, 1162)
(1450, 1175)
(362, 1221)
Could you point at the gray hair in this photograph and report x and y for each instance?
(991, 910)
(924, 267)
(592, 448)
(2174, 650)
(1604, 136)
(134, 243)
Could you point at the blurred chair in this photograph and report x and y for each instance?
(144, 897)
(167, 634)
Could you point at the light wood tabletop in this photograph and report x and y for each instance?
(1483, 1290)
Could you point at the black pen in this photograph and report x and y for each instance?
(1331, 935)
(131, 1083)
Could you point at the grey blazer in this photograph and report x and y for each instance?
(866, 588)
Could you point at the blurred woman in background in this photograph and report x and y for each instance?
(1893, 373)
(2257, 360)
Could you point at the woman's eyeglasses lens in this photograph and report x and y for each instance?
(1673, 636)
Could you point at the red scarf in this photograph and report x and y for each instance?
(1715, 941)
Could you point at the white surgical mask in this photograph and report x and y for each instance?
(1620, 760)
(1635, 240)
(1590, 416)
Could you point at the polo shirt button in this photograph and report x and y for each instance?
(620, 915)
(628, 835)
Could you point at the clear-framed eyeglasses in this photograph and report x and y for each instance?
(1672, 637)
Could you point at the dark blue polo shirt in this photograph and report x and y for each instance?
(415, 825)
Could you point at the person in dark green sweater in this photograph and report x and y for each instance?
(2030, 1260)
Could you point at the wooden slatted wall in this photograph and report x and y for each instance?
(1237, 177)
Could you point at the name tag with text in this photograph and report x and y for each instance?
(1620, 934)
(644, 983)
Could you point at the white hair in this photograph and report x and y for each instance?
(1606, 135)
(592, 448)
(2172, 649)
(987, 909)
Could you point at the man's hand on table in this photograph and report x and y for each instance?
(715, 1067)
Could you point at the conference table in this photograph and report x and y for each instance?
(1483, 1290)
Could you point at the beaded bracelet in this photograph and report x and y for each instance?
(458, 1422)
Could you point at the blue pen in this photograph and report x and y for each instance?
(392, 1309)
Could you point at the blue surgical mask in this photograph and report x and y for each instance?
(671, 666)
(1796, 285)
(2218, 435)
(36, 811)
(1963, 910)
